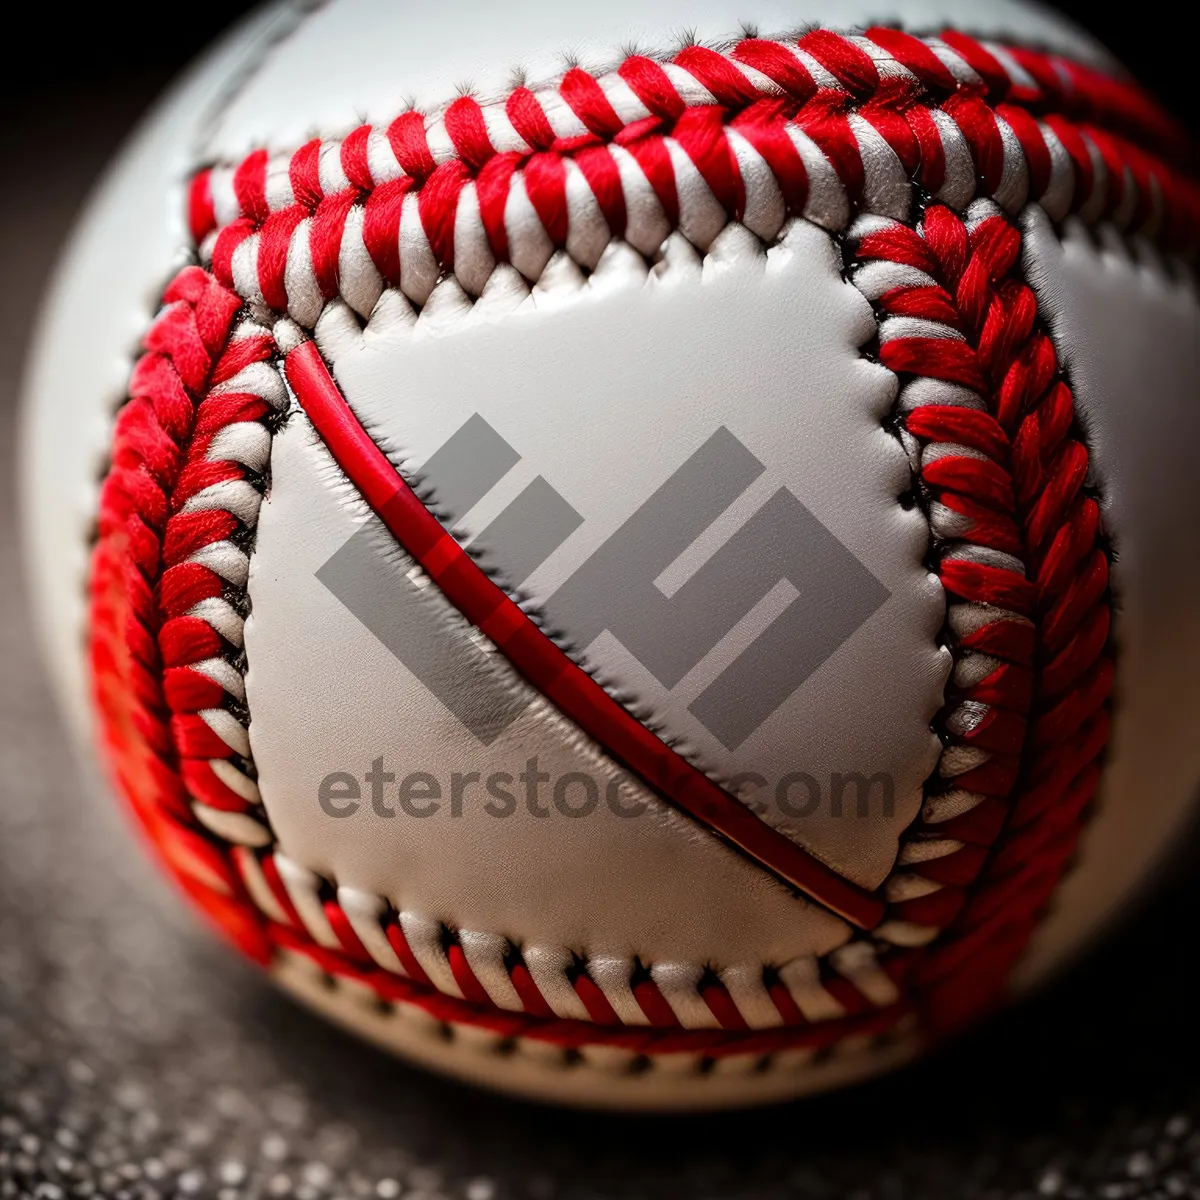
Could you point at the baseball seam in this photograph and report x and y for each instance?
(269, 256)
(1001, 462)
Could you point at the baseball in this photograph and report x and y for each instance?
(639, 555)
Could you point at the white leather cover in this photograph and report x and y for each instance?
(1129, 339)
(653, 885)
(605, 392)
(608, 391)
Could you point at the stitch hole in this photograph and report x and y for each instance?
(513, 957)
(893, 1037)
(821, 1056)
(870, 349)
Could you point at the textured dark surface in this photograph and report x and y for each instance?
(140, 1058)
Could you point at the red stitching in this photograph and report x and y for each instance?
(570, 1033)
(150, 456)
(1032, 454)
(1084, 109)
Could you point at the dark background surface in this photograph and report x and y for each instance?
(139, 1058)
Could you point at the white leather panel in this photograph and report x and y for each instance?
(325, 695)
(107, 285)
(605, 393)
(361, 60)
(1128, 332)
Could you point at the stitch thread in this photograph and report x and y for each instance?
(810, 128)
(1022, 559)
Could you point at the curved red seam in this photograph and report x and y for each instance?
(571, 1033)
(1045, 704)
